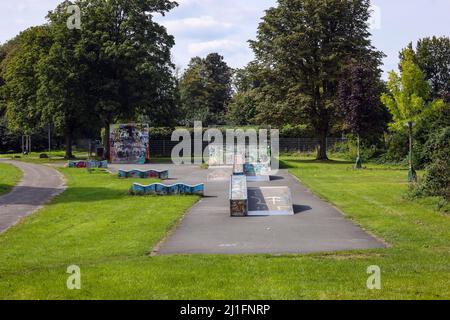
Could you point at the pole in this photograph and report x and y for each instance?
(49, 138)
(412, 174)
(358, 164)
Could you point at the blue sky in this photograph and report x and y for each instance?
(224, 26)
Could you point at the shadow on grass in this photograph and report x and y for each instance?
(5, 188)
(34, 196)
(288, 163)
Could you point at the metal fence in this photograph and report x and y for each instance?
(163, 148)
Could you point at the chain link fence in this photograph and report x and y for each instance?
(163, 148)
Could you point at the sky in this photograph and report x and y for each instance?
(225, 26)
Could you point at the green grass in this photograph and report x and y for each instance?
(54, 157)
(109, 234)
(9, 177)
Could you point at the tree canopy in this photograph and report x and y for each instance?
(205, 90)
(432, 55)
(116, 67)
(303, 45)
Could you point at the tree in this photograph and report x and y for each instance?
(21, 77)
(406, 100)
(219, 79)
(304, 45)
(205, 90)
(432, 55)
(194, 93)
(437, 179)
(128, 61)
(62, 93)
(242, 109)
(359, 102)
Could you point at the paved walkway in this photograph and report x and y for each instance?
(38, 186)
(208, 228)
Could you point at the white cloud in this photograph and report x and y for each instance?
(189, 24)
(213, 46)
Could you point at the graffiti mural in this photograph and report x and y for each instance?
(238, 196)
(168, 190)
(163, 175)
(129, 143)
(88, 164)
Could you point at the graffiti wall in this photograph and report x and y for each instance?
(129, 143)
(167, 190)
(163, 175)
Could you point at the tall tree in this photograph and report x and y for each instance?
(21, 76)
(127, 54)
(406, 100)
(359, 102)
(205, 89)
(242, 109)
(432, 55)
(62, 93)
(193, 93)
(304, 45)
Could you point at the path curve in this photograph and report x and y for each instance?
(38, 186)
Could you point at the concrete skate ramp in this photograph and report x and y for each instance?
(219, 174)
(270, 201)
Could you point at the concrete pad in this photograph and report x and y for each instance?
(270, 201)
(316, 226)
(38, 186)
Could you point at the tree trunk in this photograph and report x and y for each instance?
(107, 142)
(322, 147)
(69, 140)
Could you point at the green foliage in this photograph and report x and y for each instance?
(432, 55)
(20, 70)
(302, 47)
(242, 108)
(349, 150)
(298, 131)
(116, 68)
(205, 90)
(437, 179)
(408, 93)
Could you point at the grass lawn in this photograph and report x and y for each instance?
(9, 177)
(54, 157)
(109, 234)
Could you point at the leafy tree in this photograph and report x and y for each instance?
(406, 100)
(205, 89)
(359, 103)
(432, 55)
(21, 76)
(242, 108)
(128, 61)
(194, 93)
(62, 93)
(304, 45)
(437, 179)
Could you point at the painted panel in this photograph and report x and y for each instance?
(129, 143)
(238, 196)
(88, 164)
(165, 190)
(140, 174)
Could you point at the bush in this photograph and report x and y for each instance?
(437, 178)
(298, 131)
(349, 149)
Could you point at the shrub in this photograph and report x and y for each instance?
(437, 178)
